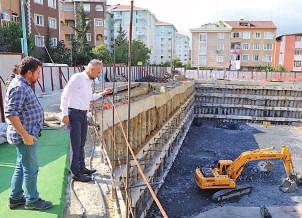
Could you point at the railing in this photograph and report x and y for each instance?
(243, 75)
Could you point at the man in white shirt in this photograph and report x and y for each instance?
(75, 102)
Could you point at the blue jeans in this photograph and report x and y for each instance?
(25, 174)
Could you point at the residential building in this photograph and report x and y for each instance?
(182, 48)
(109, 30)
(9, 11)
(289, 51)
(95, 13)
(252, 43)
(42, 21)
(165, 42)
(211, 46)
(143, 28)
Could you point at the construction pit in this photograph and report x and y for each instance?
(178, 126)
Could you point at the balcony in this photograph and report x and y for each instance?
(298, 57)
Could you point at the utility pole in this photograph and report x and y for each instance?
(24, 39)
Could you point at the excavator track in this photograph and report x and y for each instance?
(226, 194)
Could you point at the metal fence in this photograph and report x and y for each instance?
(243, 75)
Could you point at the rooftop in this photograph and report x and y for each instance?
(251, 24)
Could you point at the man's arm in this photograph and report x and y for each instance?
(16, 123)
(96, 96)
(66, 95)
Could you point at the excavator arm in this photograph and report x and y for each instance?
(261, 154)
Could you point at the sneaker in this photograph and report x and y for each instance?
(12, 204)
(88, 172)
(82, 178)
(38, 205)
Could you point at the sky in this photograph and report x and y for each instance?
(186, 14)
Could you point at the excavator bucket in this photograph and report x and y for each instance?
(289, 185)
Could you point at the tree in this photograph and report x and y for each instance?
(59, 53)
(139, 53)
(121, 47)
(102, 53)
(10, 38)
(81, 51)
(177, 62)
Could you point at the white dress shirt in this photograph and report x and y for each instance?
(77, 93)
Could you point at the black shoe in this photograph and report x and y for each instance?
(82, 178)
(12, 204)
(38, 205)
(88, 172)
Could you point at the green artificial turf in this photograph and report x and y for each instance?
(52, 178)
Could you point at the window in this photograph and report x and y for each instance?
(53, 42)
(99, 8)
(298, 38)
(69, 23)
(5, 16)
(202, 60)
(99, 22)
(52, 4)
(297, 64)
(257, 35)
(52, 23)
(220, 35)
(268, 35)
(256, 58)
(39, 19)
(267, 58)
(39, 41)
(245, 58)
(236, 35)
(203, 37)
(298, 51)
(256, 46)
(88, 36)
(246, 35)
(203, 48)
(86, 7)
(87, 21)
(219, 59)
(220, 47)
(69, 37)
(68, 7)
(268, 46)
(38, 2)
(245, 46)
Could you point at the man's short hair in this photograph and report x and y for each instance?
(29, 64)
(95, 62)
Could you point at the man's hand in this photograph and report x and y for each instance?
(65, 120)
(106, 91)
(29, 139)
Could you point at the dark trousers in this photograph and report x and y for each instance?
(78, 126)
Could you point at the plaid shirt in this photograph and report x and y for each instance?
(21, 101)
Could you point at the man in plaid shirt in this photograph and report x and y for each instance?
(26, 117)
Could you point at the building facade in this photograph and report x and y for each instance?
(211, 46)
(252, 43)
(165, 42)
(289, 52)
(9, 12)
(143, 28)
(182, 48)
(95, 13)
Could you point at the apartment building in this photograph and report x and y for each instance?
(42, 21)
(182, 48)
(289, 51)
(211, 46)
(95, 14)
(165, 42)
(9, 12)
(252, 43)
(143, 28)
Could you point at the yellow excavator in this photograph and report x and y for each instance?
(225, 175)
